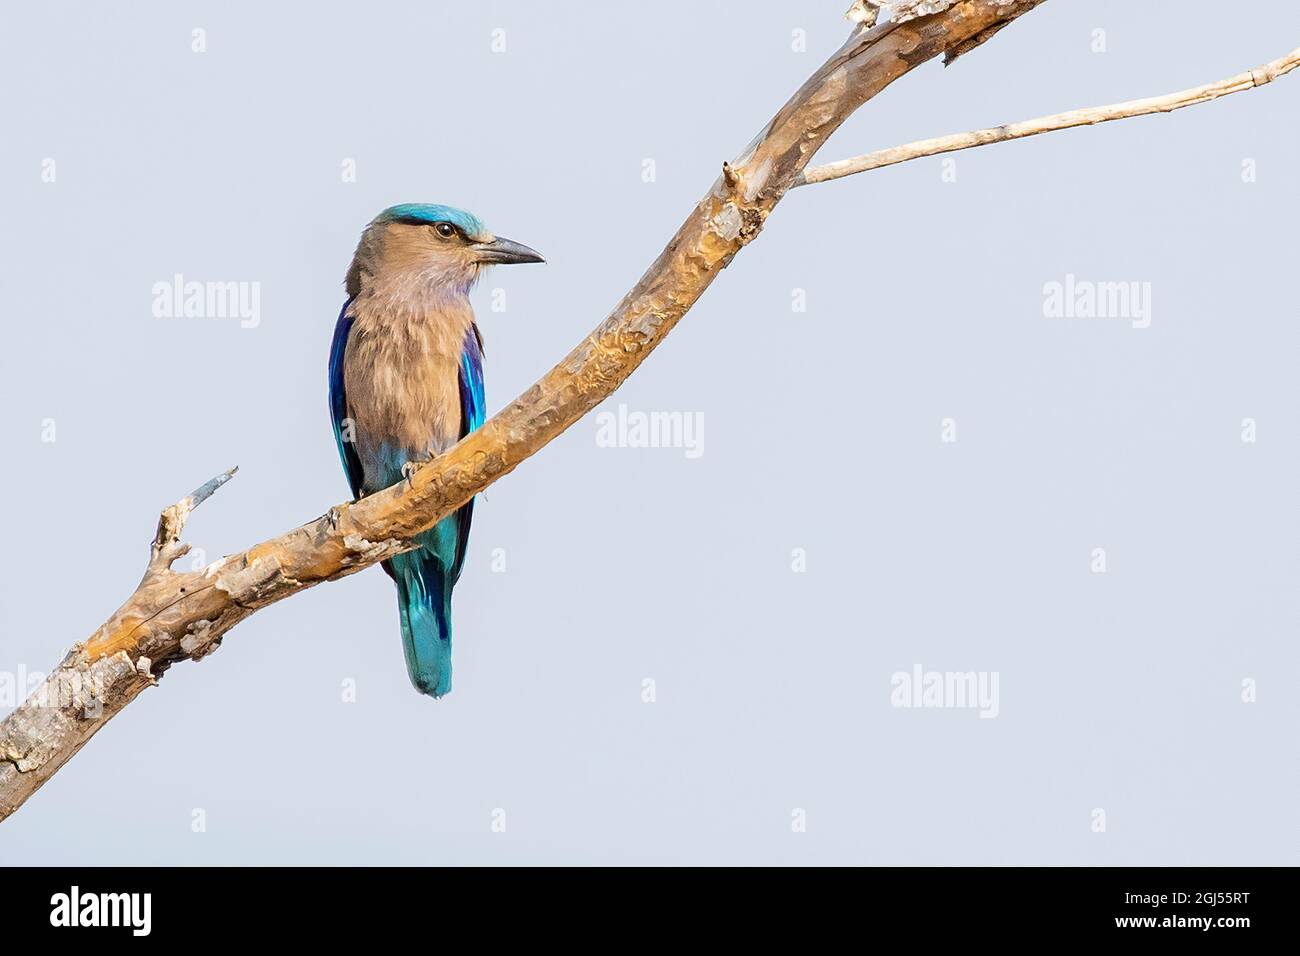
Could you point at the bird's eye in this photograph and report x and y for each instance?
(445, 229)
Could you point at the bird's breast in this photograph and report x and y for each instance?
(401, 376)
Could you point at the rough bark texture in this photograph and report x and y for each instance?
(173, 616)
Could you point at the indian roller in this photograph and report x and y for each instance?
(405, 384)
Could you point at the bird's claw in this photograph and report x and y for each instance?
(411, 467)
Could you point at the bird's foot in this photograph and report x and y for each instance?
(412, 466)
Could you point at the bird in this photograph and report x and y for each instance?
(405, 384)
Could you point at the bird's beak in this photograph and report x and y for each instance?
(505, 252)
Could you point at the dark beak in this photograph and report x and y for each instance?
(505, 252)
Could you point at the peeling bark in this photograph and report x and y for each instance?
(177, 615)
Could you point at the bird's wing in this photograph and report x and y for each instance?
(472, 413)
(339, 402)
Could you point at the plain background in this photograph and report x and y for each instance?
(1119, 691)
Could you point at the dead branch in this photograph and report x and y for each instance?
(177, 615)
(1047, 124)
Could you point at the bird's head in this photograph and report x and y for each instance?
(431, 248)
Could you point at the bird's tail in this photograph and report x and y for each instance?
(424, 602)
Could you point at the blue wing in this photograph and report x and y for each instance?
(471, 383)
(472, 413)
(339, 402)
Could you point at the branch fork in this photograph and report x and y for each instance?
(167, 546)
(1091, 116)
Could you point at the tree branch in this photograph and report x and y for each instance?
(177, 615)
(84, 693)
(1047, 124)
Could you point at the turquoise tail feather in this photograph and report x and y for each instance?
(424, 603)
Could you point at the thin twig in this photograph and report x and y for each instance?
(1047, 124)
